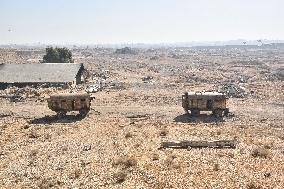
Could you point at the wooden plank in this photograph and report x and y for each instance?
(200, 144)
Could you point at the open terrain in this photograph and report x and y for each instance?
(139, 105)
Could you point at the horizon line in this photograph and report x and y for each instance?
(208, 42)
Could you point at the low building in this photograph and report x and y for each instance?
(40, 74)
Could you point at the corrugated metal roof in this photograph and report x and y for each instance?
(39, 73)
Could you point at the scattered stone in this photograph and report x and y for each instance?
(164, 133)
(5, 114)
(147, 78)
(232, 90)
(93, 88)
(260, 152)
(87, 147)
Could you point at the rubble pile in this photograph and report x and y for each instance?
(232, 90)
(15, 94)
(97, 81)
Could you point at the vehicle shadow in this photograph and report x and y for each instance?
(202, 118)
(55, 119)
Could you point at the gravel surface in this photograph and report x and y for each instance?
(117, 144)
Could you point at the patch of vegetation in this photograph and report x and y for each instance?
(125, 162)
(119, 177)
(128, 135)
(57, 55)
(164, 133)
(260, 152)
(253, 186)
(75, 174)
(169, 161)
(33, 134)
(216, 167)
(155, 157)
(46, 183)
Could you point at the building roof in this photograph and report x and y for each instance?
(39, 73)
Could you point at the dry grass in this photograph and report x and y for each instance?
(253, 185)
(125, 162)
(76, 173)
(260, 152)
(120, 176)
(129, 135)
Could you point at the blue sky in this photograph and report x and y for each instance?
(134, 21)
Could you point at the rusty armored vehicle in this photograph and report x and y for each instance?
(63, 103)
(205, 101)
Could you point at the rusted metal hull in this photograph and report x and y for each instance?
(69, 102)
(204, 102)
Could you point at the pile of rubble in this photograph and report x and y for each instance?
(98, 81)
(15, 94)
(232, 90)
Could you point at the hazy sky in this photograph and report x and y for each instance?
(132, 21)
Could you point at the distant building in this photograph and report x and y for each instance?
(39, 74)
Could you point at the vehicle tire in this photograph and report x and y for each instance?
(186, 111)
(83, 112)
(226, 112)
(195, 112)
(61, 114)
(218, 113)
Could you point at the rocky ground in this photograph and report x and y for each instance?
(137, 108)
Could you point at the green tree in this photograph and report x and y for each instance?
(57, 55)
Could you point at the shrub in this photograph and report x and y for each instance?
(125, 162)
(260, 152)
(216, 167)
(57, 55)
(120, 177)
(253, 186)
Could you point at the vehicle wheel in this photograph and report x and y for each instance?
(83, 112)
(226, 112)
(61, 114)
(195, 112)
(218, 113)
(186, 111)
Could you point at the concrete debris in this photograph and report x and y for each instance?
(15, 94)
(117, 85)
(87, 147)
(147, 78)
(243, 79)
(94, 88)
(232, 90)
(154, 58)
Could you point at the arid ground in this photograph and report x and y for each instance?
(139, 105)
